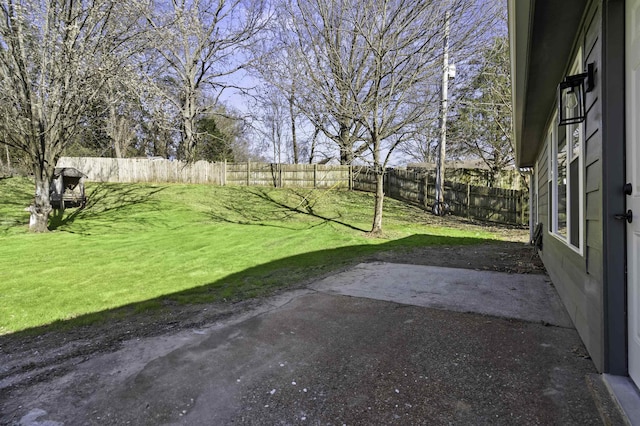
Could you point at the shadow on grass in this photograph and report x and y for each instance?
(261, 280)
(16, 194)
(64, 342)
(102, 199)
(280, 212)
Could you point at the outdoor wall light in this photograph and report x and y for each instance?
(572, 92)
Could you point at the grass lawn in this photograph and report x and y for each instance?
(147, 245)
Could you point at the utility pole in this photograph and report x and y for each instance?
(438, 205)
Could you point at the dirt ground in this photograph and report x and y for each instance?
(28, 358)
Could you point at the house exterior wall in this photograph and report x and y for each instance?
(578, 273)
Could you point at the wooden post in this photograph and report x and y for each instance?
(468, 200)
(439, 202)
(224, 173)
(315, 175)
(248, 172)
(385, 183)
(350, 176)
(522, 207)
(426, 191)
(280, 174)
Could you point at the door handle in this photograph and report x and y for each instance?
(628, 216)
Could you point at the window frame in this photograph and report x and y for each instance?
(573, 182)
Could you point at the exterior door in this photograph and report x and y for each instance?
(632, 91)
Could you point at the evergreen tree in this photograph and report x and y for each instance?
(481, 128)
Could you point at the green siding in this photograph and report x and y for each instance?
(577, 277)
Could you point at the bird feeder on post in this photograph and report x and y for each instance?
(67, 188)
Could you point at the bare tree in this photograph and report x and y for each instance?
(121, 117)
(279, 67)
(482, 127)
(272, 122)
(403, 39)
(231, 123)
(329, 56)
(278, 122)
(366, 63)
(202, 43)
(55, 58)
(471, 32)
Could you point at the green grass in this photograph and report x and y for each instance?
(150, 246)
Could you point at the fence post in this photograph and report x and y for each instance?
(350, 176)
(224, 173)
(522, 207)
(386, 176)
(315, 175)
(425, 191)
(468, 200)
(280, 174)
(248, 172)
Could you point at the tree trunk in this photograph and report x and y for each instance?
(376, 229)
(6, 150)
(346, 146)
(113, 130)
(189, 140)
(312, 152)
(294, 136)
(189, 126)
(41, 207)
(494, 175)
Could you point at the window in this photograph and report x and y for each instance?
(565, 147)
(561, 183)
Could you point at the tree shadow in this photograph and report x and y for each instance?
(103, 199)
(194, 307)
(16, 194)
(265, 278)
(303, 204)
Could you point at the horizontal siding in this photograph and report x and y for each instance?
(594, 211)
(593, 166)
(592, 31)
(592, 53)
(580, 292)
(594, 268)
(593, 149)
(594, 234)
(543, 189)
(593, 179)
(578, 277)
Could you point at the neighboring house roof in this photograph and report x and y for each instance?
(541, 36)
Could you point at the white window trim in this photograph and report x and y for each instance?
(552, 140)
(551, 189)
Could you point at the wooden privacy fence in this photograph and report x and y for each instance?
(477, 202)
(474, 202)
(129, 170)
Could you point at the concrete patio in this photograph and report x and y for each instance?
(380, 343)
